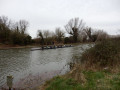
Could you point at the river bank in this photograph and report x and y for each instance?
(100, 70)
(6, 46)
(88, 80)
(82, 77)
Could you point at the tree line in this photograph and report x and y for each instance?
(77, 31)
(16, 33)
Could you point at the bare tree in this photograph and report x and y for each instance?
(46, 33)
(101, 35)
(22, 25)
(12, 32)
(95, 35)
(40, 35)
(46, 36)
(88, 31)
(74, 27)
(4, 28)
(4, 20)
(59, 34)
(52, 36)
(83, 36)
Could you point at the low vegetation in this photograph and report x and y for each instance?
(105, 53)
(99, 80)
(100, 70)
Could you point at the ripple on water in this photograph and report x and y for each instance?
(21, 63)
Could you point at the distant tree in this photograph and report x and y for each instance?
(95, 35)
(22, 26)
(40, 35)
(5, 21)
(19, 34)
(68, 40)
(46, 35)
(74, 27)
(101, 35)
(14, 33)
(28, 39)
(17, 38)
(88, 31)
(59, 34)
(52, 37)
(4, 29)
(83, 36)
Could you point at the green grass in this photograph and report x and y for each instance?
(94, 81)
(63, 84)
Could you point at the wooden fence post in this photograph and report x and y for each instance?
(9, 81)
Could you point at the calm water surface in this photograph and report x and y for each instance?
(22, 62)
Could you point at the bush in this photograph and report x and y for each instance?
(105, 53)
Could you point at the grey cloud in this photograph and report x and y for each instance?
(48, 14)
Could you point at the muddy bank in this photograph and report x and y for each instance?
(32, 81)
(3, 47)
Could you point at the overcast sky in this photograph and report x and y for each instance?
(49, 14)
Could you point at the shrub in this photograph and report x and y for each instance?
(104, 53)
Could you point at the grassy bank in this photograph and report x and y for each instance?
(81, 78)
(100, 70)
(99, 80)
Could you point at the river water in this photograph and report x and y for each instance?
(24, 63)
